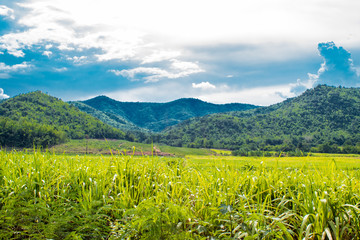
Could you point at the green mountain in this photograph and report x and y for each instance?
(321, 119)
(40, 119)
(111, 119)
(154, 116)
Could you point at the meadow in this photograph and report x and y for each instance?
(45, 195)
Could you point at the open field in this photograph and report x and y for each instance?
(50, 196)
(97, 146)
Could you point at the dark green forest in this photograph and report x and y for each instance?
(39, 119)
(323, 119)
(142, 116)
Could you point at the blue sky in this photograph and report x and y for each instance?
(251, 51)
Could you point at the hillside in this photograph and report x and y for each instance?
(111, 119)
(156, 116)
(322, 118)
(40, 119)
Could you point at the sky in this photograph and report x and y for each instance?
(251, 51)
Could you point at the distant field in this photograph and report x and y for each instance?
(315, 161)
(95, 146)
(44, 195)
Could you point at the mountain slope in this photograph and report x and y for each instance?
(111, 119)
(157, 116)
(41, 112)
(320, 117)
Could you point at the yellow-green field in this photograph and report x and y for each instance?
(58, 196)
(316, 161)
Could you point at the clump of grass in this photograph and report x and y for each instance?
(48, 196)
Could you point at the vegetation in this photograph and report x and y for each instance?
(97, 146)
(37, 118)
(25, 133)
(111, 119)
(154, 116)
(47, 196)
(324, 119)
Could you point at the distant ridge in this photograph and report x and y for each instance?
(154, 116)
(322, 119)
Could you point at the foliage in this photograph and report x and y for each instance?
(323, 119)
(48, 116)
(154, 116)
(24, 133)
(47, 196)
(114, 120)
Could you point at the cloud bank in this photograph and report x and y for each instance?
(177, 69)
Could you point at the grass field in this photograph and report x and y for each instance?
(58, 196)
(96, 146)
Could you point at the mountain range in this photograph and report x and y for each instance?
(322, 119)
(153, 117)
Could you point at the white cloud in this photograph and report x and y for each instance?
(63, 69)
(263, 96)
(203, 85)
(300, 86)
(7, 12)
(47, 53)
(123, 30)
(14, 68)
(2, 94)
(168, 91)
(79, 60)
(160, 55)
(152, 74)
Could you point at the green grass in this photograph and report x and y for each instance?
(96, 146)
(315, 161)
(50, 196)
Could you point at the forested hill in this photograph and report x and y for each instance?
(324, 118)
(40, 119)
(157, 116)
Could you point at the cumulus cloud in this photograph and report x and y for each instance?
(6, 12)
(56, 27)
(2, 94)
(47, 53)
(78, 60)
(178, 69)
(15, 67)
(204, 85)
(336, 70)
(5, 70)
